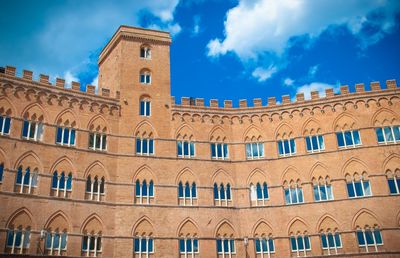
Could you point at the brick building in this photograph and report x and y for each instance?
(127, 172)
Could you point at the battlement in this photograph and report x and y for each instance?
(286, 100)
(59, 83)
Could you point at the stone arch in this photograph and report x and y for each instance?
(224, 229)
(364, 217)
(99, 124)
(63, 164)
(143, 227)
(327, 222)
(184, 132)
(145, 129)
(35, 112)
(262, 229)
(252, 133)
(67, 118)
(344, 121)
(354, 165)
(92, 225)
(97, 169)
(188, 228)
(284, 131)
(391, 163)
(221, 176)
(144, 173)
(384, 117)
(29, 159)
(186, 175)
(58, 221)
(290, 174)
(318, 170)
(297, 225)
(311, 126)
(217, 134)
(6, 107)
(257, 175)
(21, 218)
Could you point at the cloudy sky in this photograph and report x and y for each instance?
(224, 49)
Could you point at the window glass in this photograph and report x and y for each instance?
(367, 188)
(59, 135)
(348, 138)
(396, 130)
(293, 243)
(350, 189)
(151, 146)
(324, 241)
(308, 143)
(392, 186)
(7, 125)
(213, 150)
(225, 150)
(339, 137)
(219, 245)
(280, 147)
(321, 142)
(300, 244)
(378, 236)
(314, 143)
(379, 135)
(286, 146)
(25, 129)
(359, 190)
(360, 238)
(66, 136)
(357, 139)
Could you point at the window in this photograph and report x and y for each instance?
(94, 188)
(144, 146)
(143, 245)
(32, 130)
(226, 246)
(185, 149)
(145, 52)
(145, 77)
(187, 193)
(315, 143)
(287, 147)
(26, 180)
(61, 184)
(358, 187)
(65, 136)
(393, 181)
(5, 124)
(18, 240)
(188, 247)
(145, 107)
(56, 242)
(145, 191)
(222, 194)
(388, 134)
(348, 139)
(294, 194)
(300, 243)
(1, 172)
(98, 141)
(322, 190)
(331, 241)
(219, 151)
(264, 245)
(91, 245)
(369, 237)
(255, 150)
(259, 193)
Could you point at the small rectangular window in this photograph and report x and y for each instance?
(254, 150)
(5, 124)
(348, 139)
(144, 146)
(65, 136)
(315, 143)
(97, 141)
(288, 147)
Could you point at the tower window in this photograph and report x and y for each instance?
(145, 107)
(145, 77)
(145, 53)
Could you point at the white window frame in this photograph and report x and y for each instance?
(94, 251)
(147, 78)
(297, 251)
(148, 197)
(102, 138)
(190, 154)
(95, 196)
(147, 140)
(225, 200)
(262, 251)
(366, 245)
(325, 185)
(394, 178)
(260, 145)
(38, 134)
(320, 148)
(385, 141)
(33, 181)
(353, 181)
(354, 145)
(147, 53)
(228, 252)
(69, 136)
(225, 156)
(189, 198)
(296, 189)
(336, 246)
(58, 249)
(145, 108)
(193, 253)
(58, 189)
(4, 125)
(254, 195)
(141, 252)
(290, 153)
(22, 246)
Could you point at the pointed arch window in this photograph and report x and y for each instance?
(254, 150)
(331, 241)
(1, 172)
(91, 245)
(97, 141)
(322, 190)
(226, 247)
(18, 240)
(32, 130)
(287, 147)
(259, 193)
(187, 193)
(368, 237)
(144, 191)
(219, 150)
(26, 180)
(66, 136)
(388, 134)
(348, 139)
(358, 186)
(294, 193)
(315, 143)
(95, 188)
(188, 247)
(143, 246)
(56, 242)
(300, 244)
(145, 146)
(264, 245)
(5, 125)
(393, 181)
(61, 184)
(222, 194)
(186, 149)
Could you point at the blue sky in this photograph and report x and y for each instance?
(223, 49)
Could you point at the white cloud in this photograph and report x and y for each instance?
(95, 81)
(313, 71)
(258, 26)
(69, 77)
(288, 82)
(196, 25)
(316, 86)
(263, 74)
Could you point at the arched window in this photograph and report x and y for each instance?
(293, 192)
(264, 245)
(32, 130)
(393, 181)
(145, 76)
(259, 193)
(300, 243)
(348, 138)
(222, 194)
(331, 241)
(144, 146)
(97, 141)
(91, 244)
(187, 193)
(26, 180)
(322, 189)
(254, 149)
(5, 124)
(369, 236)
(144, 192)
(388, 134)
(287, 147)
(61, 184)
(66, 136)
(358, 185)
(95, 188)
(18, 240)
(186, 149)
(145, 106)
(145, 52)
(56, 242)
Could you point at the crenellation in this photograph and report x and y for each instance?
(44, 79)
(105, 92)
(329, 93)
(214, 103)
(314, 94)
(26, 74)
(375, 86)
(299, 97)
(271, 101)
(391, 84)
(243, 103)
(199, 102)
(257, 102)
(344, 90)
(360, 87)
(91, 89)
(228, 104)
(76, 86)
(118, 95)
(10, 70)
(285, 99)
(60, 83)
(185, 101)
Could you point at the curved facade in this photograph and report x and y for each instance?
(127, 172)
